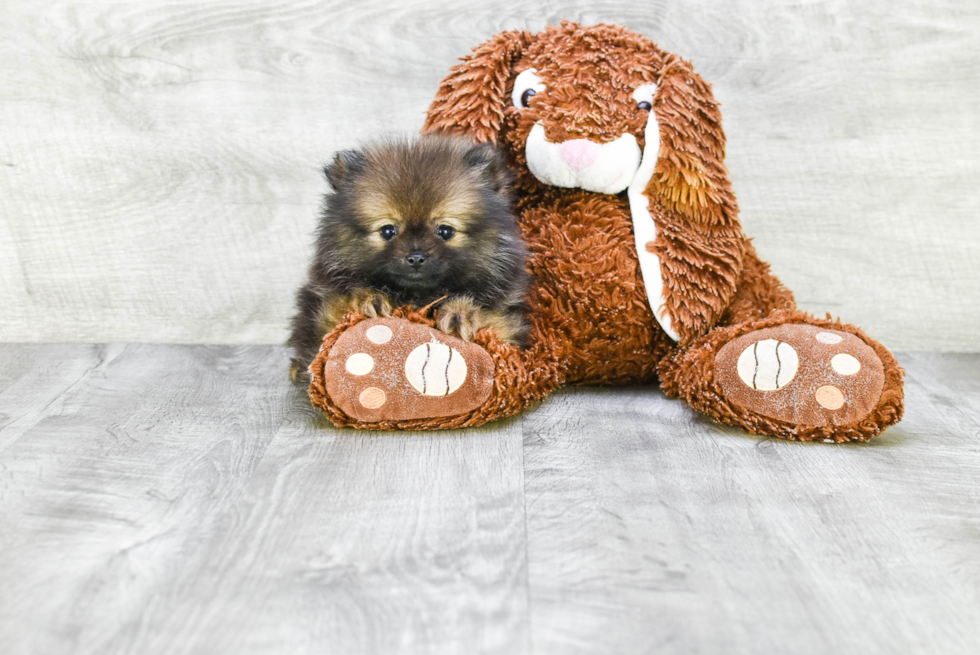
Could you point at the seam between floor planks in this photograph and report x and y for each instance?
(604, 520)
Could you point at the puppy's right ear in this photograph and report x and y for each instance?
(472, 98)
(491, 165)
(346, 164)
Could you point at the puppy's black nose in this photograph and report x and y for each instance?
(416, 259)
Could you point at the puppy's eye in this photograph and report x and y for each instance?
(388, 232)
(526, 86)
(643, 105)
(446, 232)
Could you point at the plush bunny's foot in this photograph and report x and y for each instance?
(801, 374)
(390, 369)
(792, 376)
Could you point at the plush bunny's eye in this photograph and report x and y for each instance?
(527, 85)
(643, 95)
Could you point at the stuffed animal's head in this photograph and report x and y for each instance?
(605, 110)
(584, 107)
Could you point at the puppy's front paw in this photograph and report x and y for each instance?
(464, 318)
(372, 304)
(460, 316)
(297, 371)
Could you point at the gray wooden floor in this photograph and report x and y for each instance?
(185, 499)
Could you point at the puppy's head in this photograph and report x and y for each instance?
(418, 215)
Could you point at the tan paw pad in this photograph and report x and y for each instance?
(378, 334)
(435, 369)
(829, 397)
(372, 398)
(828, 338)
(359, 364)
(845, 364)
(768, 365)
(390, 369)
(801, 374)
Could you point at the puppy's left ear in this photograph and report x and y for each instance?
(490, 163)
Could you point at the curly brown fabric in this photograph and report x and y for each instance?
(690, 374)
(591, 321)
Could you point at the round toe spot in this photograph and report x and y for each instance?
(372, 398)
(828, 337)
(435, 369)
(359, 364)
(845, 364)
(829, 397)
(768, 365)
(378, 334)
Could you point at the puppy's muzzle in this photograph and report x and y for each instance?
(416, 259)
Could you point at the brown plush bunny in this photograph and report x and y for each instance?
(641, 270)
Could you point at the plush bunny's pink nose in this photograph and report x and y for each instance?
(579, 153)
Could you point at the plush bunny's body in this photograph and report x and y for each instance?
(641, 271)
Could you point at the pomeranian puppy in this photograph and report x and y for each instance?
(410, 222)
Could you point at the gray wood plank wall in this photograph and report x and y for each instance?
(159, 160)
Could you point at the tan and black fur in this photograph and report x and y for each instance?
(415, 222)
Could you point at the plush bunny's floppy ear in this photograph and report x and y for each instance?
(698, 239)
(471, 100)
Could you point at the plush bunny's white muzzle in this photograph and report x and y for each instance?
(581, 163)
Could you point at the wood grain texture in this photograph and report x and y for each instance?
(159, 160)
(106, 491)
(651, 531)
(187, 499)
(347, 542)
